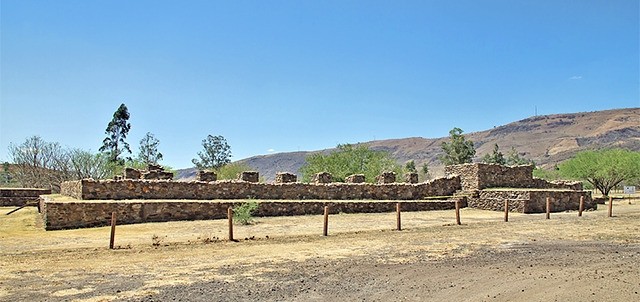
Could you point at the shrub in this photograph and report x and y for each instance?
(243, 214)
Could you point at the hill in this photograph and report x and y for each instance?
(546, 139)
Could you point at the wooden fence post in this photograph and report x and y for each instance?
(325, 230)
(506, 210)
(548, 208)
(230, 218)
(113, 230)
(581, 208)
(458, 212)
(398, 220)
(610, 206)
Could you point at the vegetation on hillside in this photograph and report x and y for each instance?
(349, 159)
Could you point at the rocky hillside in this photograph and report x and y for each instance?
(547, 139)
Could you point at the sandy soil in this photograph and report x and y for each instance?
(566, 258)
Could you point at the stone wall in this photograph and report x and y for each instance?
(90, 189)
(386, 178)
(285, 177)
(250, 176)
(68, 215)
(478, 176)
(18, 197)
(355, 178)
(531, 201)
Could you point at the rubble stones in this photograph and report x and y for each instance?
(131, 173)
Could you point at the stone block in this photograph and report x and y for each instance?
(411, 178)
(386, 178)
(322, 178)
(355, 179)
(286, 177)
(206, 176)
(250, 176)
(131, 173)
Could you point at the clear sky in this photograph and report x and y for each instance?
(276, 76)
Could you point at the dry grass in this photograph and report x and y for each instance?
(197, 251)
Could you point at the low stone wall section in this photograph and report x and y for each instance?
(59, 215)
(18, 197)
(531, 201)
(89, 189)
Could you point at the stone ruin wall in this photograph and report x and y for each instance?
(82, 214)
(10, 197)
(478, 176)
(531, 201)
(89, 189)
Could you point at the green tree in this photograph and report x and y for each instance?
(458, 150)
(426, 174)
(84, 164)
(149, 150)
(115, 144)
(349, 159)
(410, 167)
(514, 159)
(495, 157)
(604, 169)
(216, 153)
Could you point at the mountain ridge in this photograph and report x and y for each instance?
(546, 139)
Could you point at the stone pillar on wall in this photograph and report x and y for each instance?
(250, 176)
(131, 173)
(411, 178)
(285, 177)
(322, 178)
(157, 175)
(355, 178)
(386, 178)
(207, 176)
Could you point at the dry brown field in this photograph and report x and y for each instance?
(529, 258)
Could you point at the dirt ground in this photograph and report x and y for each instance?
(529, 258)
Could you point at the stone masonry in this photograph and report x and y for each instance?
(355, 179)
(285, 177)
(19, 196)
(322, 178)
(386, 178)
(250, 176)
(411, 178)
(206, 176)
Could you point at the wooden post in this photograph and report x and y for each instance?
(610, 206)
(325, 231)
(458, 212)
(506, 210)
(398, 220)
(548, 208)
(230, 217)
(113, 230)
(581, 208)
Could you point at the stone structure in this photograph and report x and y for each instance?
(411, 178)
(89, 189)
(59, 215)
(285, 177)
(206, 176)
(18, 197)
(131, 173)
(355, 179)
(530, 200)
(322, 178)
(155, 172)
(479, 176)
(386, 178)
(250, 176)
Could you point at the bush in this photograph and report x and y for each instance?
(243, 214)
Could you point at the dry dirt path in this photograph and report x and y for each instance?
(592, 258)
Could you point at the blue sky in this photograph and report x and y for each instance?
(276, 76)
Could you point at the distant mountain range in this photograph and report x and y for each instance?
(546, 139)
